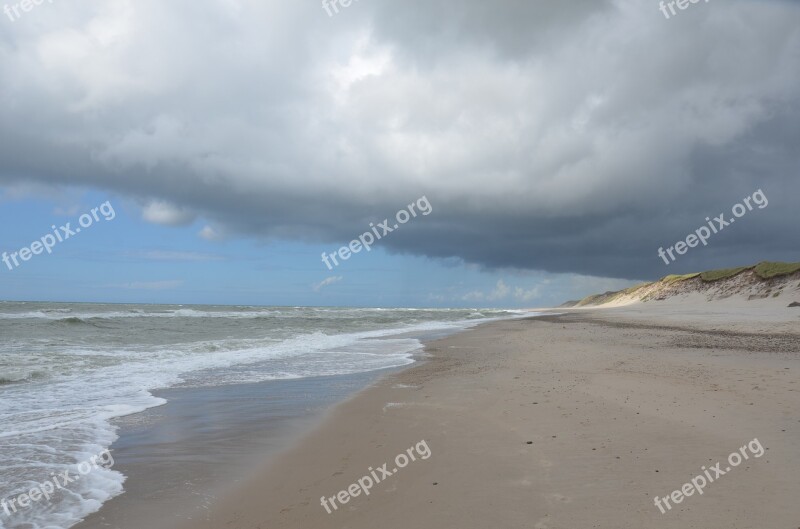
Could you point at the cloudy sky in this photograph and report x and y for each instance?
(559, 144)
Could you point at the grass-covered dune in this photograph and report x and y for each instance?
(756, 281)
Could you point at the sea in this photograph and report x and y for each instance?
(68, 371)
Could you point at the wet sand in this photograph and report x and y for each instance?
(178, 458)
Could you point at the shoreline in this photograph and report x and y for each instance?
(550, 422)
(179, 457)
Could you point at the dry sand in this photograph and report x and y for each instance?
(564, 422)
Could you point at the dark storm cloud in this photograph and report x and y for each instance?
(570, 136)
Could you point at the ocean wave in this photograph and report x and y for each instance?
(72, 319)
(78, 320)
(179, 313)
(19, 378)
(304, 313)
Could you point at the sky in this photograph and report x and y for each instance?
(550, 148)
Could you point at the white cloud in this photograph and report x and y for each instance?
(499, 292)
(210, 233)
(161, 212)
(67, 211)
(326, 282)
(526, 295)
(502, 291)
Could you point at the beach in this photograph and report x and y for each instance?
(575, 420)
(178, 402)
(414, 265)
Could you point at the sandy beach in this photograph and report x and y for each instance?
(424, 265)
(576, 420)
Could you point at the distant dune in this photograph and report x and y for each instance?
(777, 282)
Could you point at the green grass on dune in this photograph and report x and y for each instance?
(766, 269)
(723, 273)
(673, 278)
